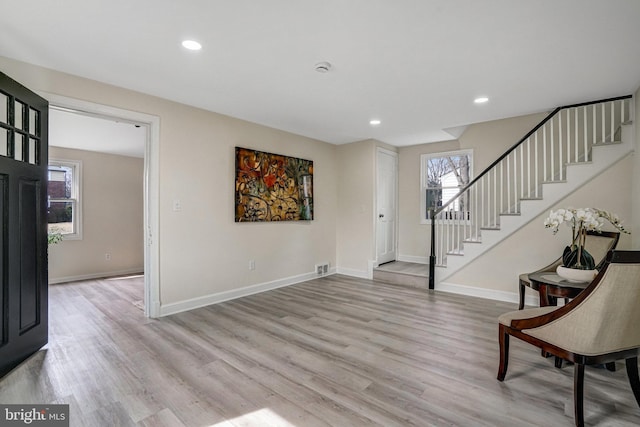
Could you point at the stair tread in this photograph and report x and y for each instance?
(599, 144)
(403, 268)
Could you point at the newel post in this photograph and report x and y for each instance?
(432, 257)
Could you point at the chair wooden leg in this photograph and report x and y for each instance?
(578, 393)
(632, 373)
(522, 292)
(558, 362)
(504, 353)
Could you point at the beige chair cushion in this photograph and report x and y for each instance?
(528, 313)
(606, 321)
(598, 246)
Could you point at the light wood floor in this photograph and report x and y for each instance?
(334, 351)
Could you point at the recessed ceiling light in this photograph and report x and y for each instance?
(191, 45)
(374, 122)
(481, 100)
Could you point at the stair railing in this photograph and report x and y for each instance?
(565, 136)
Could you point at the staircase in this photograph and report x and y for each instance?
(563, 152)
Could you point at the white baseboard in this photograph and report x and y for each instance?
(353, 272)
(57, 280)
(190, 304)
(486, 293)
(414, 259)
(492, 294)
(173, 308)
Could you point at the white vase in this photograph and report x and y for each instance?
(576, 275)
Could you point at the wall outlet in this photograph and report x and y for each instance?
(252, 264)
(107, 256)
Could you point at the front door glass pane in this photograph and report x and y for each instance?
(33, 151)
(17, 148)
(19, 115)
(4, 115)
(33, 122)
(4, 142)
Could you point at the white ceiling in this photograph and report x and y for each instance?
(84, 132)
(416, 65)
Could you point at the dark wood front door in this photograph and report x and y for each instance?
(23, 238)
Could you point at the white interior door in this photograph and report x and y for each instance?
(386, 200)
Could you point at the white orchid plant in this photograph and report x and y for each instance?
(581, 220)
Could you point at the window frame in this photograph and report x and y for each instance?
(76, 194)
(424, 177)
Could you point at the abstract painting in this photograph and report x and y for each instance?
(272, 187)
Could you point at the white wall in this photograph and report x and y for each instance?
(413, 237)
(357, 216)
(203, 252)
(356, 186)
(112, 208)
(488, 141)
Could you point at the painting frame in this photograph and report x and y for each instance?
(272, 187)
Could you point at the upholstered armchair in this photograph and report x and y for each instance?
(597, 244)
(599, 326)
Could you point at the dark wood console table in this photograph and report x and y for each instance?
(551, 287)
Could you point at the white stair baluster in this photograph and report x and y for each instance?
(585, 139)
(613, 124)
(603, 125)
(544, 152)
(535, 169)
(576, 140)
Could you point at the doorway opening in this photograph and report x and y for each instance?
(140, 139)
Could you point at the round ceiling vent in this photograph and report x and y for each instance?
(323, 67)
